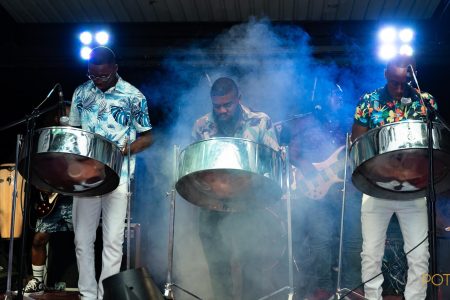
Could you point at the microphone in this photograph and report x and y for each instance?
(406, 98)
(409, 92)
(63, 119)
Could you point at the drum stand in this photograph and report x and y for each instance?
(342, 292)
(287, 185)
(168, 292)
(31, 122)
(129, 195)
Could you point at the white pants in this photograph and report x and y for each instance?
(413, 219)
(86, 216)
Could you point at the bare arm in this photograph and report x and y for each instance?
(143, 141)
(357, 131)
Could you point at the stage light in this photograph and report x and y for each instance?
(395, 42)
(406, 35)
(102, 37)
(387, 51)
(85, 52)
(387, 35)
(406, 50)
(86, 38)
(89, 40)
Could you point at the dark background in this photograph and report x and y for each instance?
(39, 46)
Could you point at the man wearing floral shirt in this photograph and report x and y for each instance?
(225, 234)
(396, 101)
(113, 108)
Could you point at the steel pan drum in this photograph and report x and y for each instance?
(391, 161)
(72, 161)
(229, 174)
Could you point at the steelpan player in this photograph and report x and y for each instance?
(224, 235)
(105, 105)
(396, 101)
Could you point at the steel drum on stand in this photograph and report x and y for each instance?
(229, 174)
(391, 161)
(72, 161)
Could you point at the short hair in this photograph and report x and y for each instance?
(102, 56)
(224, 86)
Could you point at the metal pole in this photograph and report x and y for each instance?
(287, 193)
(168, 292)
(8, 294)
(128, 200)
(289, 219)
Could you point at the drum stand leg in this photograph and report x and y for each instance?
(128, 202)
(168, 291)
(290, 287)
(9, 294)
(342, 292)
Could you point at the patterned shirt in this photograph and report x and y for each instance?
(254, 126)
(379, 108)
(108, 114)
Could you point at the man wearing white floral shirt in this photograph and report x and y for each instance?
(111, 107)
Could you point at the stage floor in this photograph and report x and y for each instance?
(52, 296)
(74, 296)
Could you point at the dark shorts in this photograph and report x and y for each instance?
(60, 219)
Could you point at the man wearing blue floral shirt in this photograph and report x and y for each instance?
(395, 102)
(111, 107)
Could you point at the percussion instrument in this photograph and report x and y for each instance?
(391, 161)
(7, 173)
(229, 174)
(72, 161)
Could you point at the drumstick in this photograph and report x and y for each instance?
(124, 145)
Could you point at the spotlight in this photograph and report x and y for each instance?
(406, 50)
(387, 35)
(85, 52)
(102, 37)
(395, 42)
(406, 35)
(387, 51)
(86, 38)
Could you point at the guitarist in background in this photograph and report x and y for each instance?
(54, 214)
(316, 143)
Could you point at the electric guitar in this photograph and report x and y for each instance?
(316, 184)
(45, 205)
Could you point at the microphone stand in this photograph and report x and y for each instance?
(431, 193)
(8, 294)
(31, 123)
(431, 199)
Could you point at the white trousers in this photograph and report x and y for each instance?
(413, 219)
(86, 216)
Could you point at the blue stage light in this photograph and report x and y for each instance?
(85, 52)
(102, 38)
(86, 37)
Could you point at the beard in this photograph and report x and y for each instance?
(227, 123)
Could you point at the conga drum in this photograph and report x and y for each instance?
(72, 161)
(7, 173)
(391, 161)
(229, 174)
